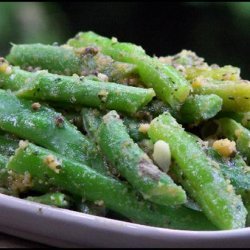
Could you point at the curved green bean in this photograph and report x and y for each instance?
(80, 180)
(234, 169)
(169, 85)
(242, 117)
(133, 164)
(44, 126)
(45, 86)
(66, 60)
(205, 183)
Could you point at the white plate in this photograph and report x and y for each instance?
(65, 228)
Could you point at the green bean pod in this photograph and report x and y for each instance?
(205, 183)
(225, 73)
(235, 95)
(198, 108)
(66, 60)
(169, 85)
(246, 200)
(242, 117)
(47, 128)
(134, 165)
(80, 180)
(234, 169)
(53, 199)
(192, 66)
(195, 109)
(235, 131)
(92, 119)
(45, 86)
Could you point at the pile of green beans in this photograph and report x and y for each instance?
(98, 126)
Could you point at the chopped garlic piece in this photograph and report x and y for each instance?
(36, 106)
(225, 147)
(230, 188)
(99, 203)
(23, 144)
(162, 155)
(144, 128)
(114, 40)
(103, 77)
(52, 163)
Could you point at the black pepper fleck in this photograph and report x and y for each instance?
(59, 121)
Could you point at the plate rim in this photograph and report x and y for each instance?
(114, 225)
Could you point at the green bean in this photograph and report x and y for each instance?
(53, 199)
(80, 180)
(199, 107)
(218, 73)
(16, 81)
(68, 61)
(92, 119)
(134, 165)
(56, 59)
(242, 117)
(193, 66)
(235, 131)
(169, 85)
(227, 72)
(42, 85)
(205, 184)
(195, 109)
(235, 95)
(234, 169)
(246, 200)
(47, 128)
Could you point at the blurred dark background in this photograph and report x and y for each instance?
(219, 32)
